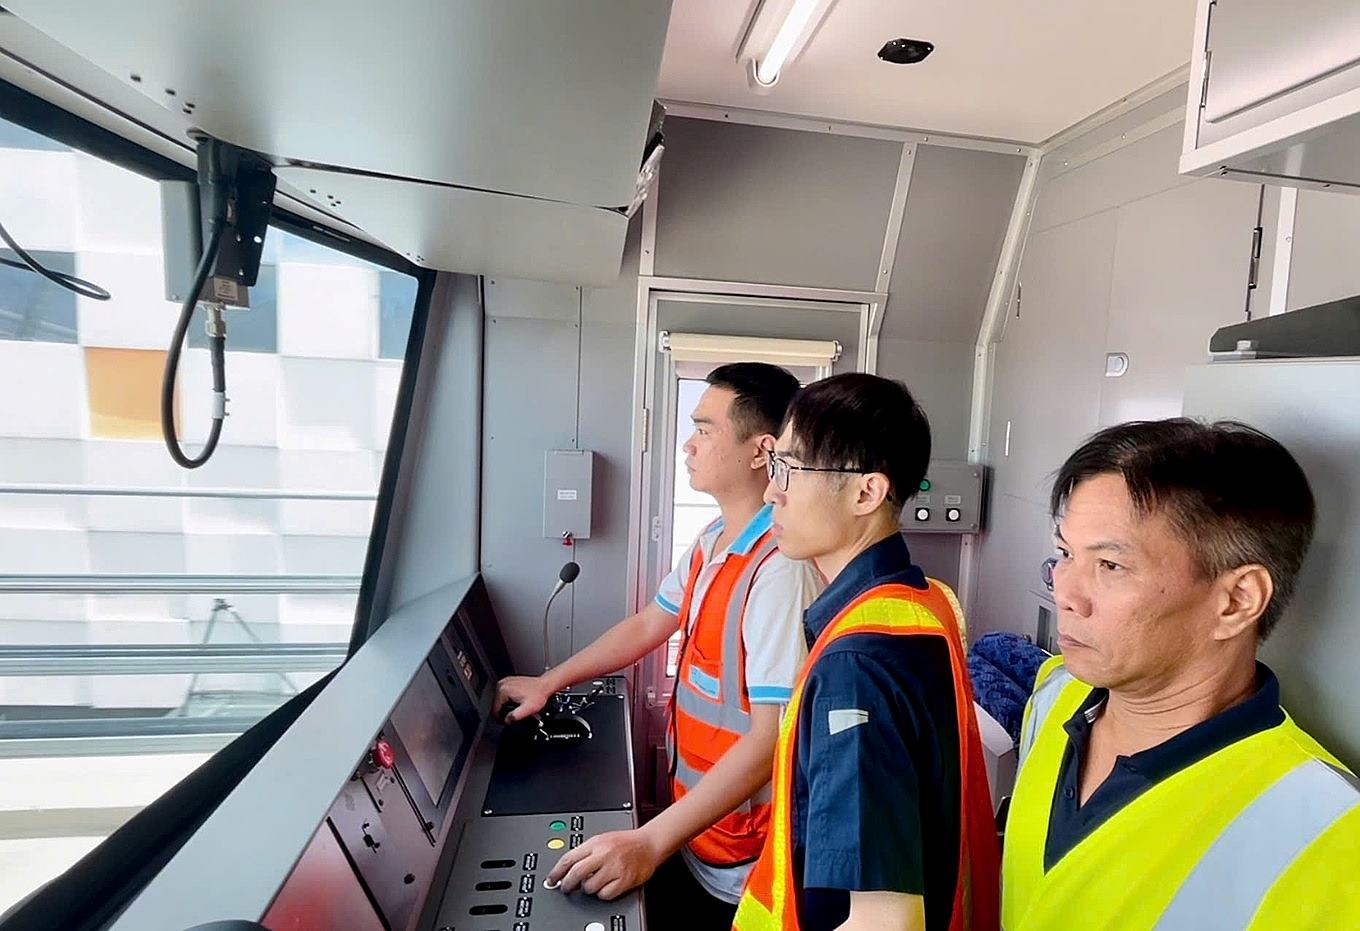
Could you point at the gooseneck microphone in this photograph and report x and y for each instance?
(564, 578)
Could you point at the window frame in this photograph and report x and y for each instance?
(45, 118)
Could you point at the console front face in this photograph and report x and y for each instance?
(451, 821)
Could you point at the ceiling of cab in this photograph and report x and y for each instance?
(506, 103)
(1001, 69)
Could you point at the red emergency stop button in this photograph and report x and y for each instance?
(383, 755)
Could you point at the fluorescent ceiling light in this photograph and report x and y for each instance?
(795, 21)
(777, 34)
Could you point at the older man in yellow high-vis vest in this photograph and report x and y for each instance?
(1161, 785)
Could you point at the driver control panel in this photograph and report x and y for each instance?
(452, 821)
(499, 880)
(557, 780)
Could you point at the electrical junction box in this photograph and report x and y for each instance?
(567, 476)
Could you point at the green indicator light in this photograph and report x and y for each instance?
(558, 826)
(925, 484)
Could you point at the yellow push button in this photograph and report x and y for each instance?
(556, 843)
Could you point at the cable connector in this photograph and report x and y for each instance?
(215, 324)
(236, 195)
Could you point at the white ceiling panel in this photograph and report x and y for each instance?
(1001, 69)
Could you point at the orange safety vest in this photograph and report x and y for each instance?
(769, 901)
(710, 710)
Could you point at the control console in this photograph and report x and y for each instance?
(556, 780)
(452, 820)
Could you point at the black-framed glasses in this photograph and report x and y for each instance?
(779, 469)
(1046, 571)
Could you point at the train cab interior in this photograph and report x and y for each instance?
(347, 355)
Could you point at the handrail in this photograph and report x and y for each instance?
(161, 726)
(120, 736)
(30, 747)
(123, 491)
(122, 659)
(172, 584)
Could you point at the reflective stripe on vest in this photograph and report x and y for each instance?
(1226, 888)
(769, 900)
(1040, 704)
(1203, 848)
(709, 713)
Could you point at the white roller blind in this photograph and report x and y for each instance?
(709, 347)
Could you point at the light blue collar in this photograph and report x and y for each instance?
(757, 528)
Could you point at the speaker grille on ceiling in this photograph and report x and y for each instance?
(905, 51)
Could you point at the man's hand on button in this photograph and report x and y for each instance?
(608, 865)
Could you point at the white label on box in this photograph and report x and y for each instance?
(566, 494)
(953, 499)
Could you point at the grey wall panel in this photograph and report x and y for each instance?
(1049, 366)
(1326, 246)
(940, 377)
(1138, 170)
(432, 536)
(529, 407)
(1018, 539)
(958, 205)
(610, 316)
(938, 555)
(617, 304)
(599, 599)
(1179, 274)
(753, 203)
(531, 300)
(1124, 256)
(1314, 650)
(534, 356)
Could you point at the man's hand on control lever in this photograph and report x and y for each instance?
(524, 696)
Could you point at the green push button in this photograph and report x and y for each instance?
(558, 826)
(925, 484)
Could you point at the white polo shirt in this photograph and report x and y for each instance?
(772, 632)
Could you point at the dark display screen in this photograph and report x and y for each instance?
(428, 729)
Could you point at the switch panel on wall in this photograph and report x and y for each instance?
(948, 501)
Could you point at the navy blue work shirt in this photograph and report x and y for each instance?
(876, 779)
(1070, 822)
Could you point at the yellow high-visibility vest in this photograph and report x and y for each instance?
(1262, 834)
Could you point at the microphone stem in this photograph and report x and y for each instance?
(547, 658)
